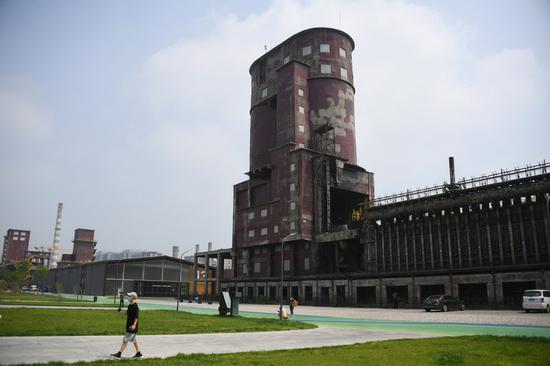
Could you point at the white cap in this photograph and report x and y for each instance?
(132, 294)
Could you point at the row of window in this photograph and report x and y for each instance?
(264, 231)
(286, 266)
(263, 213)
(327, 69)
(22, 233)
(323, 48)
(20, 238)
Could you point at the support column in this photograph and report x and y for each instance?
(468, 241)
(499, 234)
(195, 269)
(423, 252)
(413, 235)
(449, 249)
(510, 232)
(390, 246)
(430, 234)
(458, 243)
(406, 244)
(522, 232)
(488, 230)
(383, 243)
(336, 257)
(219, 265)
(438, 223)
(206, 273)
(478, 235)
(398, 247)
(533, 225)
(547, 222)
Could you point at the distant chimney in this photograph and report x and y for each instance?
(175, 251)
(209, 246)
(197, 248)
(452, 169)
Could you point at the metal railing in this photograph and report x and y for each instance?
(483, 180)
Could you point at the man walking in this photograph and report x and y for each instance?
(292, 305)
(132, 318)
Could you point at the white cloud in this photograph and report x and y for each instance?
(23, 117)
(422, 94)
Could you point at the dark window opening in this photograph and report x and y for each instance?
(308, 293)
(401, 291)
(340, 295)
(324, 298)
(512, 292)
(366, 295)
(342, 204)
(473, 294)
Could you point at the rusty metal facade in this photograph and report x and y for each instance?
(485, 239)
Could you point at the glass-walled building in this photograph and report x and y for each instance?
(149, 277)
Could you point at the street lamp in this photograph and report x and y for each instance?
(282, 273)
(179, 280)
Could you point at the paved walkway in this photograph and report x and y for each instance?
(338, 326)
(15, 350)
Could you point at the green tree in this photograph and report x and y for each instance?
(22, 273)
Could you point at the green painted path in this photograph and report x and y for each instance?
(373, 324)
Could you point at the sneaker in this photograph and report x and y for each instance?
(116, 355)
(138, 355)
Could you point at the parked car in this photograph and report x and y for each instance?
(443, 303)
(536, 300)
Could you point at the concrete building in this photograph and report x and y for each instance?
(16, 244)
(308, 211)
(152, 276)
(83, 248)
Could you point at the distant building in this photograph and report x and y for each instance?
(39, 257)
(83, 248)
(16, 244)
(125, 254)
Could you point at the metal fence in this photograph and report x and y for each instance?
(483, 180)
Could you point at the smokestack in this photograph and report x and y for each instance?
(176, 251)
(209, 246)
(57, 234)
(452, 169)
(197, 248)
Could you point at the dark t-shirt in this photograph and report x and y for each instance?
(132, 314)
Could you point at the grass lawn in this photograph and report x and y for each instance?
(468, 350)
(49, 322)
(11, 298)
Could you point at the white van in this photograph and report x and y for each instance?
(536, 300)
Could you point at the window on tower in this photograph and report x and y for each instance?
(326, 69)
(344, 73)
(342, 52)
(306, 51)
(325, 48)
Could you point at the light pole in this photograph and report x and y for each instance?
(179, 280)
(282, 273)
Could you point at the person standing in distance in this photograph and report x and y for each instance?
(132, 319)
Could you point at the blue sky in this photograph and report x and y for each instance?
(135, 114)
